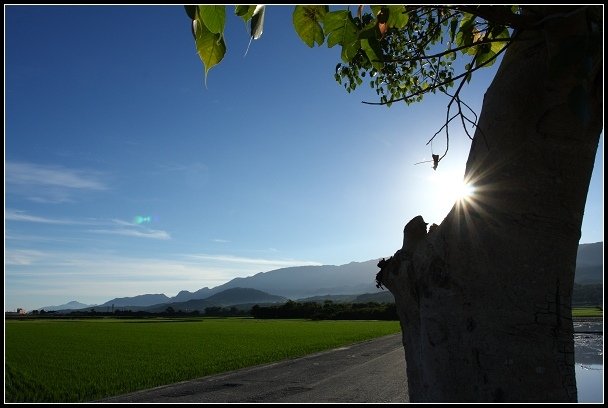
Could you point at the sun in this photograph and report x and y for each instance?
(463, 191)
(452, 187)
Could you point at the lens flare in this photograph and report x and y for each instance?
(465, 190)
(142, 219)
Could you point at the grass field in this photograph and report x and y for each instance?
(592, 311)
(89, 359)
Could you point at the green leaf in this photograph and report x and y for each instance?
(349, 51)
(397, 17)
(209, 46)
(257, 22)
(214, 17)
(370, 31)
(465, 34)
(373, 51)
(244, 11)
(453, 27)
(306, 21)
(499, 33)
(340, 28)
(485, 53)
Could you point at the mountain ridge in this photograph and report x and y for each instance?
(300, 282)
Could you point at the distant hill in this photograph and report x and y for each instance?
(312, 283)
(140, 300)
(187, 306)
(305, 281)
(225, 298)
(185, 295)
(590, 264)
(235, 296)
(323, 298)
(379, 297)
(70, 305)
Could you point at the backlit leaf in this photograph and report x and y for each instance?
(397, 17)
(306, 21)
(349, 51)
(209, 46)
(244, 11)
(214, 17)
(373, 51)
(340, 28)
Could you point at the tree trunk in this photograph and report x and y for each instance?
(484, 300)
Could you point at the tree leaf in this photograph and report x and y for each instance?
(306, 21)
(213, 17)
(397, 17)
(209, 46)
(453, 27)
(244, 11)
(465, 34)
(373, 51)
(257, 22)
(349, 51)
(485, 53)
(340, 28)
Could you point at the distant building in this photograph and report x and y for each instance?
(20, 311)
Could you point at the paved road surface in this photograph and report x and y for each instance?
(371, 371)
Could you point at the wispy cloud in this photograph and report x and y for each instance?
(220, 241)
(140, 233)
(23, 256)
(132, 229)
(16, 215)
(98, 276)
(30, 173)
(115, 226)
(252, 261)
(50, 183)
(188, 168)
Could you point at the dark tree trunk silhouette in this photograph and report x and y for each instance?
(484, 299)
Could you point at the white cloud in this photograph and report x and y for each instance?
(221, 241)
(140, 233)
(50, 184)
(23, 256)
(16, 215)
(96, 276)
(188, 168)
(35, 174)
(252, 261)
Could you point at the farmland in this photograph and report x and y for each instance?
(82, 360)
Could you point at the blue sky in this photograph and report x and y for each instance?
(124, 175)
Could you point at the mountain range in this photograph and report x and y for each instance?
(305, 283)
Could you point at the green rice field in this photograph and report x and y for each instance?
(89, 359)
(591, 311)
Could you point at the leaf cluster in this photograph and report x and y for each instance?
(208, 23)
(396, 46)
(400, 49)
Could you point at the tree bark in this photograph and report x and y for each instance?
(484, 300)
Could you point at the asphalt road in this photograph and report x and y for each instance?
(371, 371)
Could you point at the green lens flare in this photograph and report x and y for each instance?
(140, 219)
